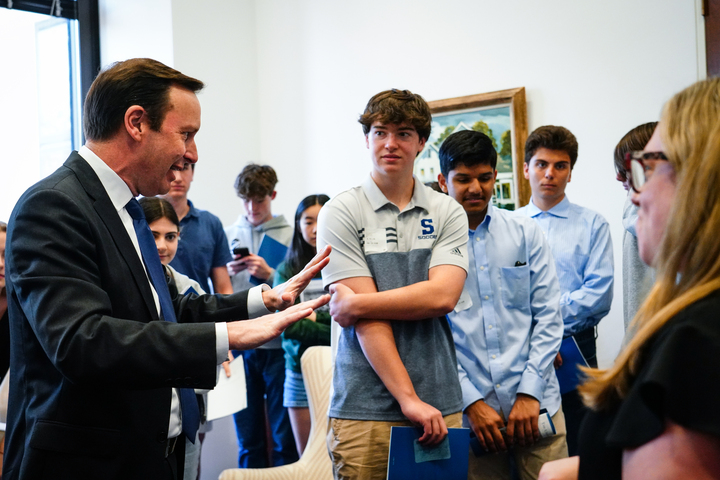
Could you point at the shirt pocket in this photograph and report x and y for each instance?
(516, 287)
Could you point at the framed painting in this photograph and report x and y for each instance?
(502, 116)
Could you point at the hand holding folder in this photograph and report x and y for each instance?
(408, 460)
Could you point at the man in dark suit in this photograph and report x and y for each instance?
(96, 378)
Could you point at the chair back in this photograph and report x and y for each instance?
(315, 462)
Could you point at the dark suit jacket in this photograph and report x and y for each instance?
(92, 368)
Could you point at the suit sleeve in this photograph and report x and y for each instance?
(86, 309)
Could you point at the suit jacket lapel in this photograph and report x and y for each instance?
(108, 215)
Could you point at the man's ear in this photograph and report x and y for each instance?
(526, 170)
(273, 194)
(135, 122)
(442, 182)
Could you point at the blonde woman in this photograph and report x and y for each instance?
(656, 411)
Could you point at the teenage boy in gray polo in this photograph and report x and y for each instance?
(398, 266)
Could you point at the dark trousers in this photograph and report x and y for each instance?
(176, 461)
(264, 376)
(572, 404)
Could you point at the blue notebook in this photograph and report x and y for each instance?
(569, 376)
(273, 252)
(410, 460)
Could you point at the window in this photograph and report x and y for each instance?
(51, 61)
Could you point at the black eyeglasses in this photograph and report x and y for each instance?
(635, 167)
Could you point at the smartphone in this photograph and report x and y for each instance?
(242, 251)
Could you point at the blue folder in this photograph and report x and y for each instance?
(408, 460)
(273, 252)
(569, 376)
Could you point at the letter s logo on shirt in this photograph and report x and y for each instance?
(427, 226)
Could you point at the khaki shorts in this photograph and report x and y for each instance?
(359, 448)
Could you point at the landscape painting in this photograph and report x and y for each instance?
(502, 117)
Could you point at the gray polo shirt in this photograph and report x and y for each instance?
(371, 237)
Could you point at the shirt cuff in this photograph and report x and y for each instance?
(470, 394)
(255, 305)
(531, 384)
(222, 342)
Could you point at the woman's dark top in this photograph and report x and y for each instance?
(679, 381)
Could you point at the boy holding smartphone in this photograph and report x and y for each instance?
(254, 234)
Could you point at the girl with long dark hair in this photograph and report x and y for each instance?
(314, 330)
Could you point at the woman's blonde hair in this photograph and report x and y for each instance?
(690, 131)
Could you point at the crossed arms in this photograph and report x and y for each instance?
(356, 301)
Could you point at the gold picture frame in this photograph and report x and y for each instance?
(506, 110)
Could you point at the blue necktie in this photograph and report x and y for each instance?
(148, 249)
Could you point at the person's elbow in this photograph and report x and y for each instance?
(446, 287)
(446, 302)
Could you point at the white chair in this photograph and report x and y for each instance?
(315, 462)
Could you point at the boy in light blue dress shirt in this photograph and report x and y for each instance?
(580, 243)
(507, 325)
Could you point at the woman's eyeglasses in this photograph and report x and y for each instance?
(636, 167)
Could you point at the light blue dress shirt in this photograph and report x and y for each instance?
(507, 325)
(582, 247)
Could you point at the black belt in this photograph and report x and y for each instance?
(170, 445)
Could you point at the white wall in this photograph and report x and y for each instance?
(217, 44)
(597, 68)
(135, 28)
(286, 80)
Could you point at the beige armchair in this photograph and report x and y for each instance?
(315, 462)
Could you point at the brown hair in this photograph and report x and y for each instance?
(552, 138)
(690, 127)
(138, 81)
(256, 181)
(396, 107)
(635, 139)
(3, 227)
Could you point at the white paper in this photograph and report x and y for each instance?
(464, 302)
(375, 241)
(230, 394)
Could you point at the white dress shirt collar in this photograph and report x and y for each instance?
(116, 188)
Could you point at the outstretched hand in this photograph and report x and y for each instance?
(285, 294)
(247, 334)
